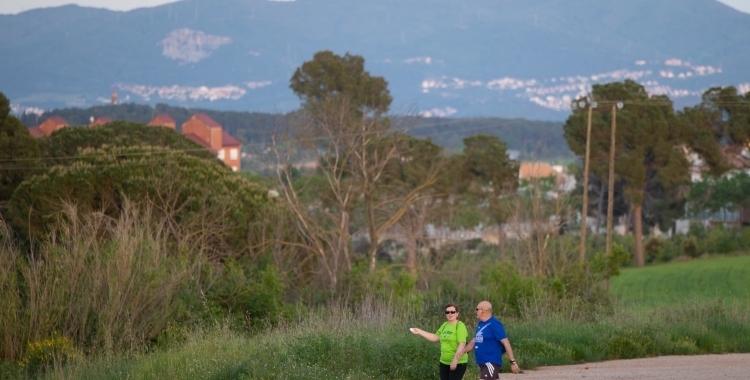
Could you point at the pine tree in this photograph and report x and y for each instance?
(19, 151)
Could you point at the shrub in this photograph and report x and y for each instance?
(720, 240)
(538, 352)
(628, 344)
(251, 294)
(510, 288)
(690, 247)
(47, 353)
(654, 248)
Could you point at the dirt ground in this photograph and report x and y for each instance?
(730, 366)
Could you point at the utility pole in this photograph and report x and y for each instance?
(611, 190)
(584, 212)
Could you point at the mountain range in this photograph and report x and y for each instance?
(508, 58)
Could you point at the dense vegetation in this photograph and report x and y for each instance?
(128, 244)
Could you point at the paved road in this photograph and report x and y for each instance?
(729, 366)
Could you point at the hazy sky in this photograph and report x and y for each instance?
(16, 6)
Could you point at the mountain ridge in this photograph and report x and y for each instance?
(480, 58)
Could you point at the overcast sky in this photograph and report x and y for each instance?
(16, 6)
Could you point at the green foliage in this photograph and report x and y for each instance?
(66, 143)
(509, 288)
(629, 344)
(606, 266)
(19, 152)
(715, 194)
(726, 115)
(55, 351)
(405, 284)
(654, 249)
(690, 247)
(538, 352)
(329, 75)
(646, 162)
(254, 295)
(197, 195)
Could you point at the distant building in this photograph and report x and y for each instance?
(100, 121)
(163, 120)
(538, 170)
(204, 130)
(48, 126)
(114, 98)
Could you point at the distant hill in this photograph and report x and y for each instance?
(531, 140)
(479, 58)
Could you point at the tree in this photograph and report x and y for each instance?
(343, 126)
(726, 113)
(716, 194)
(418, 160)
(19, 152)
(329, 75)
(200, 202)
(490, 175)
(61, 146)
(649, 145)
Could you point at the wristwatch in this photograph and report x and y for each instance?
(513, 361)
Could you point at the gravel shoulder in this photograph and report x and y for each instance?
(729, 366)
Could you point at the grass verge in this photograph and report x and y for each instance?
(340, 343)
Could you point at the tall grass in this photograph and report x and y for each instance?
(372, 342)
(106, 284)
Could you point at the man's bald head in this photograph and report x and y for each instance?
(484, 311)
(486, 305)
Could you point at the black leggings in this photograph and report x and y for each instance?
(447, 374)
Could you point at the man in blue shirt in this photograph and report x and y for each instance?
(489, 343)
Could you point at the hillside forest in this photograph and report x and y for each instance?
(119, 238)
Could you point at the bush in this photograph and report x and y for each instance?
(654, 248)
(628, 344)
(690, 247)
(510, 288)
(48, 353)
(720, 240)
(252, 295)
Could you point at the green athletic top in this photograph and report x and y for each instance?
(450, 336)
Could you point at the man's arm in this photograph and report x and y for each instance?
(469, 346)
(509, 351)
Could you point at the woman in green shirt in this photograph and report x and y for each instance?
(452, 336)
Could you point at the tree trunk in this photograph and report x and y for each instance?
(600, 207)
(501, 242)
(638, 226)
(411, 252)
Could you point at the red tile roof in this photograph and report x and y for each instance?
(207, 120)
(201, 142)
(57, 120)
(529, 170)
(162, 118)
(228, 140)
(36, 132)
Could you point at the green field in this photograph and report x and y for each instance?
(719, 278)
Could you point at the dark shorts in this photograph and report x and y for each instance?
(447, 374)
(489, 371)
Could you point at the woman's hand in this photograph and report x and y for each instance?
(415, 330)
(454, 364)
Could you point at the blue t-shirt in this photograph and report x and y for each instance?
(487, 346)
